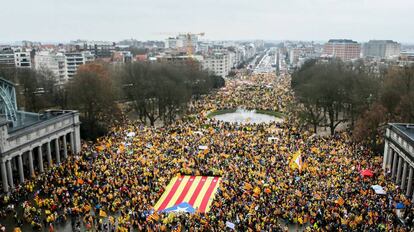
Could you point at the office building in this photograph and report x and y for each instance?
(382, 49)
(343, 49)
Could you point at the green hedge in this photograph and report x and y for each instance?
(271, 113)
(220, 112)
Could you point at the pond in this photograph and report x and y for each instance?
(243, 116)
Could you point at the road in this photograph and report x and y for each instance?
(268, 63)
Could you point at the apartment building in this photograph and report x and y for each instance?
(7, 58)
(15, 57)
(22, 59)
(75, 59)
(218, 63)
(55, 62)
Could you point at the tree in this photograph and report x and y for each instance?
(91, 93)
(397, 93)
(370, 125)
(161, 91)
(156, 90)
(395, 103)
(34, 88)
(332, 92)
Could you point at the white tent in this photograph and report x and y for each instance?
(202, 147)
(131, 134)
(378, 189)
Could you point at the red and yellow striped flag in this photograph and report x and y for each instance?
(198, 191)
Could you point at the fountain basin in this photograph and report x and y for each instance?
(243, 116)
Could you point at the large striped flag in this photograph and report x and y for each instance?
(188, 194)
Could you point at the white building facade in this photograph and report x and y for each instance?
(63, 65)
(75, 59)
(22, 59)
(218, 63)
(55, 62)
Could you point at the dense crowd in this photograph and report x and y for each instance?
(115, 181)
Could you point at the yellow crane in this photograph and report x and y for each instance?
(188, 43)
(190, 46)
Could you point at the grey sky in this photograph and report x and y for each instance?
(64, 20)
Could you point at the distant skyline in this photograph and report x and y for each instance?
(115, 20)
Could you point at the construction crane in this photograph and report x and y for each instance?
(188, 43)
(190, 46)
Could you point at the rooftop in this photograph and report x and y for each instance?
(382, 41)
(406, 129)
(342, 41)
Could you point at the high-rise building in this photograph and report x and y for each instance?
(184, 43)
(14, 57)
(344, 49)
(171, 43)
(22, 59)
(55, 62)
(63, 65)
(76, 59)
(7, 58)
(218, 62)
(381, 49)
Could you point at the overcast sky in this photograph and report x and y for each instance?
(114, 20)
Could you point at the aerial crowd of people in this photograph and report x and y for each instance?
(114, 183)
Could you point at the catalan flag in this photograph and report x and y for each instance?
(102, 213)
(296, 161)
(188, 194)
(154, 217)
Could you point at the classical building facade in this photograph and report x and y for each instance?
(398, 159)
(30, 142)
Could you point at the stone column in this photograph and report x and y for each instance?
(30, 153)
(77, 140)
(410, 181)
(394, 164)
(72, 143)
(4, 176)
(65, 147)
(10, 173)
(57, 150)
(49, 154)
(390, 158)
(385, 158)
(404, 175)
(412, 198)
(400, 161)
(40, 156)
(20, 164)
